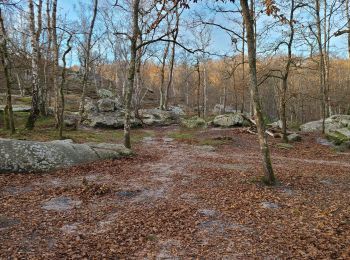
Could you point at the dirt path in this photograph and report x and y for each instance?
(178, 201)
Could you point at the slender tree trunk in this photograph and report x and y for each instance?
(198, 89)
(224, 100)
(55, 65)
(131, 72)
(5, 62)
(283, 115)
(347, 6)
(283, 99)
(171, 74)
(172, 58)
(205, 92)
(251, 42)
(162, 78)
(321, 64)
(48, 61)
(20, 86)
(243, 70)
(34, 113)
(87, 60)
(63, 82)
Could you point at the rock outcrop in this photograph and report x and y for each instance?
(337, 128)
(31, 156)
(104, 93)
(230, 120)
(193, 122)
(156, 116)
(331, 123)
(106, 113)
(219, 108)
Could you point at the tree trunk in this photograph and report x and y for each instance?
(251, 42)
(63, 82)
(131, 72)
(198, 90)
(283, 115)
(5, 61)
(172, 58)
(162, 78)
(243, 70)
(321, 64)
(87, 61)
(347, 6)
(205, 92)
(34, 112)
(55, 65)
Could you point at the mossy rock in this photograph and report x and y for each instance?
(193, 122)
(337, 137)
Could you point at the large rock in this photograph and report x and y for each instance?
(229, 120)
(219, 108)
(113, 119)
(16, 108)
(104, 93)
(337, 128)
(193, 122)
(277, 124)
(339, 136)
(106, 113)
(331, 124)
(31, 156)
(106, 105)
(160, 117)
(294, 137)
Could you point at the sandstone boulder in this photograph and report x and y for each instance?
(193, 122)
(32, 156)
(104, 93)
(229, 120)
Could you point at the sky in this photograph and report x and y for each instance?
(220, 41)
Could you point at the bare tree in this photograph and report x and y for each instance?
(35, 36)
(251, 43)
(62, 85)
(6, 63)
(87, 54)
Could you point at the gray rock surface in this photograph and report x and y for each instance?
(219, 108)
(17, 108)
(106, 105)
(106, 113)
(104, 93)
(331, 123)
(61, 204)
(193, 122)
(229, 120)
(294, 137)
(113, 119)
(31, 156)
(337, 128)
(156, 116)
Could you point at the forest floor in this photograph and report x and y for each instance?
(185, 194)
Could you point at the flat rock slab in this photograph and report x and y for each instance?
(31, 156)
(269, 205)
(6, 222)
(60, 204)
(208, 212)
(17, 108)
